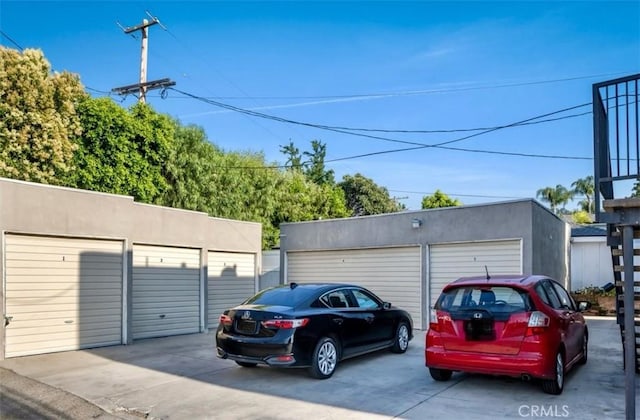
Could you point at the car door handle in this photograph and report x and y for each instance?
(338, 321)
(369, 319)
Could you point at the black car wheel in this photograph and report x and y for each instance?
(401, 342)
(246, 364)
(325, 358)
(554, 386)
(585, 342)
(440, 374)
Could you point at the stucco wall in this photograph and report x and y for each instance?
(551, 245)
(36, 208)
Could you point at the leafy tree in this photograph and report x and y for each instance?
(365, 197)
(438, 200)
(585, 187)
(558, 196)
(37, 118)
(636, 189)
(581, 217)
(190, 170)
(123, 152)
(294, 158)
(315, 170)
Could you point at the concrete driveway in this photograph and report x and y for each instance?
(181, 378)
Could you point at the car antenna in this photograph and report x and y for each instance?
(487, 270)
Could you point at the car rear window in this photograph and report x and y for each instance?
(282, 296)
(494, 298)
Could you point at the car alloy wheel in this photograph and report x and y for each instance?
(401, 342)
(325, 358)
(555, 386)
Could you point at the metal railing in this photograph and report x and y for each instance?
(616, 138)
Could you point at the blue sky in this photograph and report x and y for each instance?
(416, 65)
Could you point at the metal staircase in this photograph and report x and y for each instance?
(616, 140)
(617, 252)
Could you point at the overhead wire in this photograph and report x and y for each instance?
(416, 144)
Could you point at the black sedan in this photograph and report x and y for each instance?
(311, 325)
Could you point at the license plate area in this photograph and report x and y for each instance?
(479, 329)
(246, 326)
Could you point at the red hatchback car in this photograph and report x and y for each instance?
(521, 326)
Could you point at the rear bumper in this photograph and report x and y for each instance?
(524, 363)
(281, 360)
(272, 351)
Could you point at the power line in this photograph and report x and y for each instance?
(416, 144)
(11, 40)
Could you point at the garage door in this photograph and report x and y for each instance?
(231, 280)
(391, 273)
(166, 291)
(447, 262)
(62, 294)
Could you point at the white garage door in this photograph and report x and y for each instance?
(62, 294)
(231, 280)
(391, 273)
(448, 262)
(166, 291)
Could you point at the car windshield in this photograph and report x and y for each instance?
(494, 298)
(282, 296)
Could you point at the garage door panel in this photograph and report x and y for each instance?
(68, 340)
(166, 281)
(231, 280)
(449, 262)
(68, 270)
(28, 328)
(63, 293)
(394, 274)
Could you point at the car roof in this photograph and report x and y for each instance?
(320, 286)
(510, 280)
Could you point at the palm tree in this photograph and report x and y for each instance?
(555, 196)
(585, 187)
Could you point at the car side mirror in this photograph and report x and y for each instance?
(386, 305)
(584, 305)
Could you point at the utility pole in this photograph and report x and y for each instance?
(143, 86)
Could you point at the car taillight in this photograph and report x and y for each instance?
(433, 320)
(538, 323)
(226, 320)
(285, 324)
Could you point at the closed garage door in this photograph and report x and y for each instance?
(391, 273)
(447, 262)
(62, 294)
(166, 291)
(231, 280)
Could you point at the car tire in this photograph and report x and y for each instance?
(401, 340)
(440, 375)
(585, 350)
(246, 364)
(555, 386)
(325, 358)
